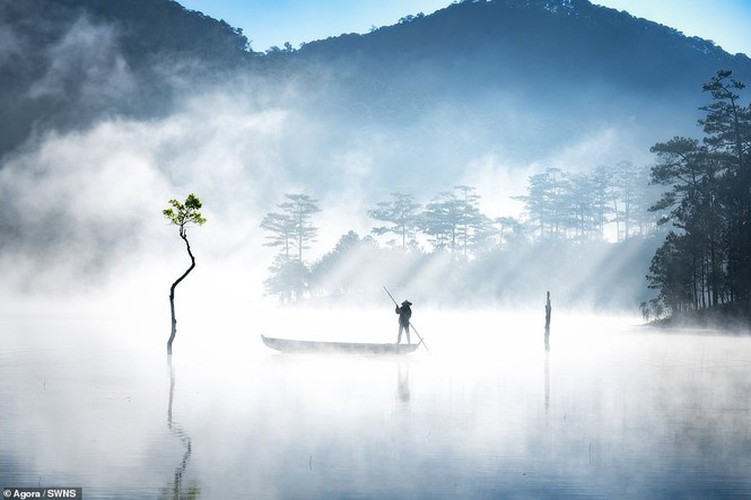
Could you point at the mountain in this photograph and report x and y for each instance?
(67, 63)
(504, 43)
(539, 73)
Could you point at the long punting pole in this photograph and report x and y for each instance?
(422, 340)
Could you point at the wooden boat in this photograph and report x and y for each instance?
(285, 345)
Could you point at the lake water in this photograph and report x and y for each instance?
(612, 410)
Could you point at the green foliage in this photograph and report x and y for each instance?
(182, 214)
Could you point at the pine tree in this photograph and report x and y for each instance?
(288, 229)
(401, 215)
(293, 226)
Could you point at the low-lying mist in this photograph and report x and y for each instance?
(82, 209)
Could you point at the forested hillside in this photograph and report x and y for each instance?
(531, 75)
(67, 63)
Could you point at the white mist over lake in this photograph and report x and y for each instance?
(614, 409)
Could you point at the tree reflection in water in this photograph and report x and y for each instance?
(176, 490)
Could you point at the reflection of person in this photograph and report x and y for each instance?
(404, 312)
(403, 386)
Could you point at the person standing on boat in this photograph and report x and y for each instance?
(405, 313)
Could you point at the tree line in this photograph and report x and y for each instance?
(582, 205)
(558, 206)
(705, 259)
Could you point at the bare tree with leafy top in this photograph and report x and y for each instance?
(182, 215)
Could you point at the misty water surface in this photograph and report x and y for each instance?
(613, 409)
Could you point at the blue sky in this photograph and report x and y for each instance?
(273, 22)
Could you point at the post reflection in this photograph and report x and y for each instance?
(176, 490)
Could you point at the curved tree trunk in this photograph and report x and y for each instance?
(184, 236)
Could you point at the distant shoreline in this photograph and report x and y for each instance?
(732, 318)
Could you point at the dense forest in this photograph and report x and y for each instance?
(705, 259)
